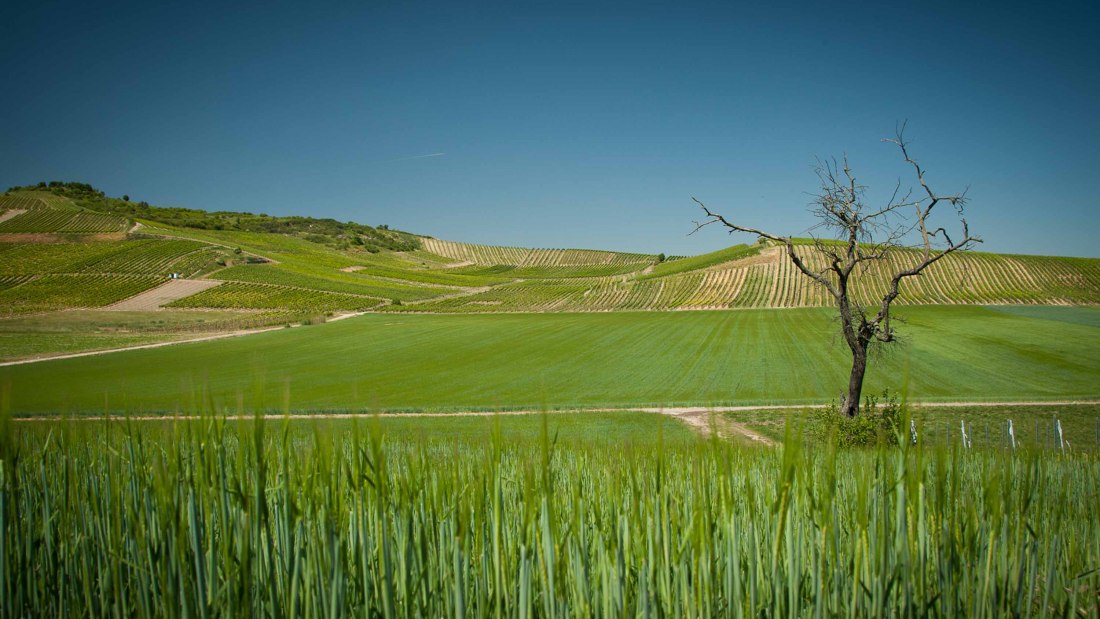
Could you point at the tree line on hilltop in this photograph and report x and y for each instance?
(326, 231)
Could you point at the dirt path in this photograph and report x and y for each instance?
(164, 294)
(705, 421)
(15, 212)
(702, 419)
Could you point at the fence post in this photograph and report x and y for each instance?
(1012, 434)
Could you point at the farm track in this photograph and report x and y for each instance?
(703, 420)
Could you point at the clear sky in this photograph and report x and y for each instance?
(558, 124)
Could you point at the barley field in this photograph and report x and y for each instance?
(277, 518)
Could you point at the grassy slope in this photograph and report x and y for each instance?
(311, 259)
(588, 280)
(85, 330)
(438, 362)
(692, 263)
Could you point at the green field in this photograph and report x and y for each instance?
(87, 330)
(529, 519)
(394, 362)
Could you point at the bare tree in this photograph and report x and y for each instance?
(865, 236)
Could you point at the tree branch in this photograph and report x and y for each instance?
(786, 240)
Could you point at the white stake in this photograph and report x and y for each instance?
(965, 438)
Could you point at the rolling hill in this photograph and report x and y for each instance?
(586, 329)
(66, 246)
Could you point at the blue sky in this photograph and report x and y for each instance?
(561, 124)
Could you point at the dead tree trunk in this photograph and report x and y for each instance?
(867, 236)
(850, 405)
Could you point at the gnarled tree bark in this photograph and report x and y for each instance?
(867, 235)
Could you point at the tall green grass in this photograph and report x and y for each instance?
(208, 518)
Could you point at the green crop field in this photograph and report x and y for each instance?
(585, 360)
(166, 482)
(250, 518)
(75, 331)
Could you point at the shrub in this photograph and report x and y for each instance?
(879, 421)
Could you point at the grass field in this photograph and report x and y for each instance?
(85, 330)
(396, 362)
(237, 519)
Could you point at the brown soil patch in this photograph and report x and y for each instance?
(15, 212)
(353, 269)
(164, 294)
(771, 255)
(707, 421)
(455, 265)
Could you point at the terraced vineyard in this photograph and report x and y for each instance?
(49, 220)
(534, 296)
(11, 281)
(451, 277)
(21, 201)
(763, 277)
(238, 295)
(37, 277)
(61, 291)
(521, 257)
(348, 283)
(148, 256)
